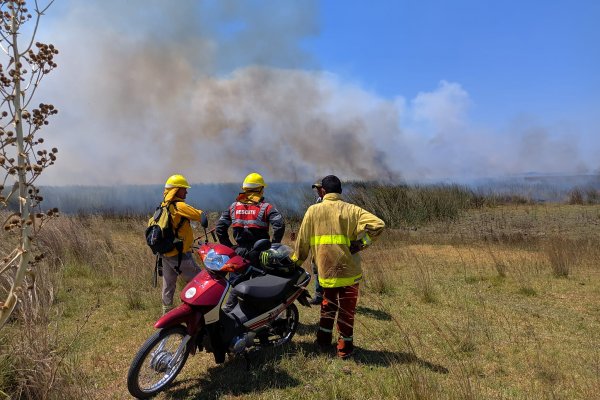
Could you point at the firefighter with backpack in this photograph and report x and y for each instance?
(170, 235)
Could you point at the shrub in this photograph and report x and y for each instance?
(575, 197)
(562, 255)
(33, 365)
(404, 205)
(378, 280)
(592, 196)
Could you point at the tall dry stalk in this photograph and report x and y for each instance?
(500, 265)
(36, 359)
(378, 280)
(21, 71)
(424, 280)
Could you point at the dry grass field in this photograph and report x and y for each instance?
(500, 303)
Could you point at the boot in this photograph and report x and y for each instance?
(317, 300)
(166, 308)
(345, 347)
(323, 341)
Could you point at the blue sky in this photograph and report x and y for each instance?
(393, 90)
(534, 57)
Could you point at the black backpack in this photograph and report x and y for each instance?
(160, 236)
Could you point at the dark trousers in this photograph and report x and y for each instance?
(341, 302)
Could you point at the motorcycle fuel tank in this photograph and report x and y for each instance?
(204, 290)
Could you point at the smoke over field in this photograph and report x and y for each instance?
(215, 90)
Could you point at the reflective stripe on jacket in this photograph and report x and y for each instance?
(244, 215)
(178, 210)
(327, 230)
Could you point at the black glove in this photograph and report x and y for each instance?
(241, 251)
(356, 246)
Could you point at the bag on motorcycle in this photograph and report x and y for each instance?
(160, 236)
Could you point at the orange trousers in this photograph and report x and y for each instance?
(340, 302)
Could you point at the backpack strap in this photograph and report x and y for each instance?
(181, 220)
(178, 246)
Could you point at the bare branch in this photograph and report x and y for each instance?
(12, 191)
(14, 254)
(35, 86)
(45, 8)
(37, 21)
(4, 38)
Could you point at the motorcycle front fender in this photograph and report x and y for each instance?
(184, 314)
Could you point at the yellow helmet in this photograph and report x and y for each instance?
(177, 181)
(253, 181)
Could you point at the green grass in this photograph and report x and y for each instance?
(462, 309)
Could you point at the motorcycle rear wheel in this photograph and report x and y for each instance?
(286, 325)
(158, 362)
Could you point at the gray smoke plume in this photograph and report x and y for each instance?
(149, 91)
(217, 89)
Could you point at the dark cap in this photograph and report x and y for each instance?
(332, 184)
(317, 185)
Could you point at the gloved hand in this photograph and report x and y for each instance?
(241, 251)
(297, 262)
(356, 246)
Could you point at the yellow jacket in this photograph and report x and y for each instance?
(327, 229)
(178, 210)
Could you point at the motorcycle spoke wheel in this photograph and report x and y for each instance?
(285, 325)
(158, 362)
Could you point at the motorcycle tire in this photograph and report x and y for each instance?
(160, 364)
(286, 328)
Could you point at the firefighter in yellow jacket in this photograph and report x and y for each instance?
(334, 231)
(175, 263)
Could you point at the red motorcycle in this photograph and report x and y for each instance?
(265, 314)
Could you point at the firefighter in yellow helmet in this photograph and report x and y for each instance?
(334, 231)
(250, 218)
(179, 263)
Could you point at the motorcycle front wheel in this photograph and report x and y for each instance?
(158, 362)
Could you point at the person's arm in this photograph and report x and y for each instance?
(368, 229)
(222, 228)
(186, 211)
(303, 239)
(277, 223)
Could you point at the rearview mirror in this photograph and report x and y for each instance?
(204, 221)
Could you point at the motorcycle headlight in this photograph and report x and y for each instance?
(214, 261)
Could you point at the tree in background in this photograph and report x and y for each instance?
(22, 156)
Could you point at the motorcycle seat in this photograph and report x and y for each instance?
(264, 287)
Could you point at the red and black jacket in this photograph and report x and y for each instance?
(250, 222)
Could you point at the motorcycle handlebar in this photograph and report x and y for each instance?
(206, 233)
(253, 268)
